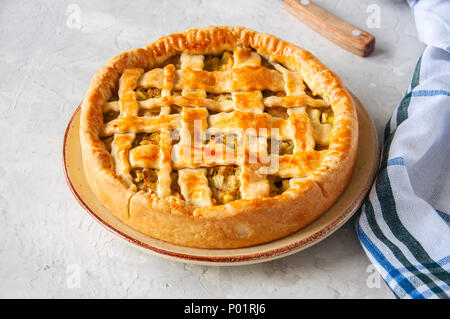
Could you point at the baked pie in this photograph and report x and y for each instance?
(218, 137)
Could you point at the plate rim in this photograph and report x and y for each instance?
(246, 258)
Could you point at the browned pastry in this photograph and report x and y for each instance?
(218, 137)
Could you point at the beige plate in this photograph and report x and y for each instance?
(335, 217)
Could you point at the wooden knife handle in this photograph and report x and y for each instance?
(340, 32)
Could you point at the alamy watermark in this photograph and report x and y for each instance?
(373, 21)
(73, 12)
(238, 146)
(73, 276)
(374, 278)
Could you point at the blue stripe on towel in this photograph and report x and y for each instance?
(430, 93)
(403, 282)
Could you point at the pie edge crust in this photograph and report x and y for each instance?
(239, 223)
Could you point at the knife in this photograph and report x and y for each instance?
(342, 33)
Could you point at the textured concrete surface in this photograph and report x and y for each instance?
(49, 247)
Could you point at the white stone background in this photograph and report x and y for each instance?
(46, 63)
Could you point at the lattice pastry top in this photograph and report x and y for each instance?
(206, 138)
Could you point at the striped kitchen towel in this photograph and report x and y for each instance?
(404, 224)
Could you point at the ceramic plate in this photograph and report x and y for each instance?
(329, 222)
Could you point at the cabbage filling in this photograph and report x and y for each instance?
(327, 116)
(151, 112)
(283, 147)
(146, 139)
(229, 140)
(218, 63)
(267, 93)
(267, 64)
(310, 93)
(175, 60)
(174, 186)
(109, 116)
(108, 141)
(322, 124)
(145, 94)
(175, 109)
(277, 111)
(277, 185)
(224, 184)
(219, 97)
(145, 179)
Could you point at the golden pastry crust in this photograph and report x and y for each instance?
(241, 222)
